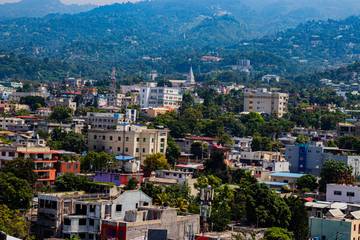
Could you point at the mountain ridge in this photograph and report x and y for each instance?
(39, 8)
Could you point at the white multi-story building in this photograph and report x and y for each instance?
(152, 96)
(263, 101)
(76, 213)
(110, 120)
(13, 124)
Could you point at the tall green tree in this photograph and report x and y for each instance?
(172, 151)
(308, 182)
(156, 161)
(335, 172)
(13, 223)
(34, 102)
(70, 182)
(95, 161)
(277, 233)
(22, 169)
(61, 114)
(69, 141)
(299, 225)
(16, 193)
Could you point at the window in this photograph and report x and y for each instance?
(119, 138)
(119, 208)
(118, 149)
(92, 208)
(137, 150)
(162, 140)
(111, 138)
(137, 139)
(91, 222)
(338, 193)
(143, 150)
(127, 139)
(82, 235)
(82, 221)
(126, 149)
(67, 221)
(144, 140)
(350, 194)
(42, 203)
(95, 137)
(103, 137)
(136, 205)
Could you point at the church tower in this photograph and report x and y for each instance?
(191, 78)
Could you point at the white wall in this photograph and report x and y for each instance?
(332, 189)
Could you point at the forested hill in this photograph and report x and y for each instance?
(173, 32)
(320, 42)
(39, 8)
(122, 30)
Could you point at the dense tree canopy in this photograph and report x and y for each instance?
(61, 114)
(335, 172)
(16, 193)
(13, 223)
(156, 161)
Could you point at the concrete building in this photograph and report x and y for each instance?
(87, 218)
(154, 112)
(309, 158)
(335, 227)
(263, 101)
(132, 140)
(79, 213)
(348, 129)
(285, 177)
(137, 224)
(45, 160)
(242, 144)
(110, 120)
(126, 168)
(64, 102)
(13, 124)
(342, 193)
(179, 177)
(16, 96)
(43, 112)
(153, 97)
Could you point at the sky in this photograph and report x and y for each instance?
(96, 2)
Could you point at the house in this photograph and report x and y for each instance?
(79, 213)
(335, 226)
(88, 215)
(138, 223)
(342, 193)
(285, 177)
(178, 177)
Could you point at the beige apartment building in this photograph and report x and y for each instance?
(132, 140)
(263, 101)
